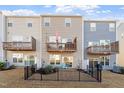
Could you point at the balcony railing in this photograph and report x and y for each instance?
(20, 46)
(104, 49)
(62, 47)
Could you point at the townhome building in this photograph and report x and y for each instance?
(2, 28)
(48, 39)
(99, 33)
(120, 38)
(66, 41)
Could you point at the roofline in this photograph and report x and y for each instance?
(12, 16)
(101, 20)
(60, 15)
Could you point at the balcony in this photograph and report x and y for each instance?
(113, 48)
(20, 46)
(62, 47)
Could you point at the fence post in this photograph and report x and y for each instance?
(92, 71)
(97, 70)
(25, 73)
(79, 74)
(58, 75)
(41, 76)
(100, 75)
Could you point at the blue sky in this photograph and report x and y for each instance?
(87, 11)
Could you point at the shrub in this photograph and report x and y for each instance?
(1, 65)
(55, 69)
(12, 67)
(48, 70)
(122, 70)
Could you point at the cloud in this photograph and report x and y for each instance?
(71, 8)
(47, 6)
(64, 9)
(104, 11)
(20, 12)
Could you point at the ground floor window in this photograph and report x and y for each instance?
(68, 60)
(17, 57)
(105, 60)
(54, 59)
(61, 60)
(29, 59)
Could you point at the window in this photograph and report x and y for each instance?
(95, 43)
(10, 24)
(105, 61)
(92, 26)
(111, 27)
(17, 38)
(29, 24)
(17, 58)
(67, 22)
(122, 35)
(104, 42)
(54, 59)
(53, 39)
(46, 21)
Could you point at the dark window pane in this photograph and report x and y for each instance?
(15, 60)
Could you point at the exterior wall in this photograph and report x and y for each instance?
(41, 34)
(102, 33)
(1, 35)
(57, 25)
(120, 38)
(20, 28)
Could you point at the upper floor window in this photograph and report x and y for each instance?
(67, 22)
(92, 26)
(10, 24)
(17, 38)
(94, 43)
(104, 42)
(54, 39)
(29, 24)
(111, 27)
(46, 21)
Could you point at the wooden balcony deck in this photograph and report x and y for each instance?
(20, 46)
(62, 47)
(113, 48)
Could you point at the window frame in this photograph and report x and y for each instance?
(10, 24)
(111, 27)
(68, 21)
(29, 25)
(92, 27)
(46, 20)
(18, 56)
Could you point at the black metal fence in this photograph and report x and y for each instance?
(92, 74)
(95, 72)
(29, 71)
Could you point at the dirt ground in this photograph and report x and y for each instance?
(14, 79)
